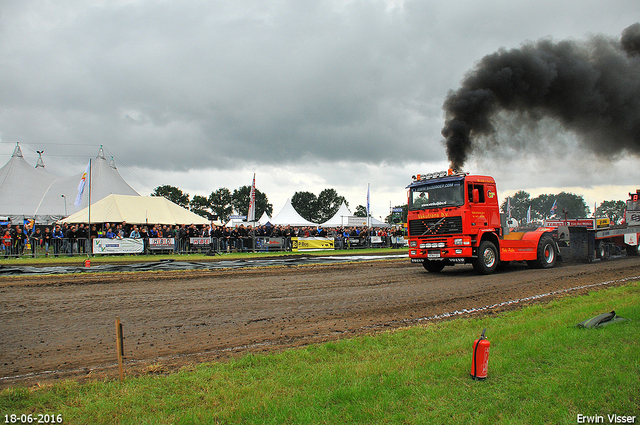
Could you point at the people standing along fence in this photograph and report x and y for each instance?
(71, 239)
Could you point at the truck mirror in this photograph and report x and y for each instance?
(475, 197)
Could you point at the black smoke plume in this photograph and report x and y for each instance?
(591, 87)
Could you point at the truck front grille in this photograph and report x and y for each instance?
(435, 226)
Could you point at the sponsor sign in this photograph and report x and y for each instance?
(589, 223)
(376, 239)
(633, 218)
(397, 210)
(311, 244)
(200, 241)
(270, 243)
(118, 246)
(161, 243)
(353, 221)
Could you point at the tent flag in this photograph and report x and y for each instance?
(508, 207)
(251, 216)
(81, 185)
(553, 208)
(529, 214)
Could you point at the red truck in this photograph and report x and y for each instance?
(454, 218)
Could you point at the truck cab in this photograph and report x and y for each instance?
(455, 218)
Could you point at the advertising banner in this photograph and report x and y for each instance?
(311, 244)
(589, 223)
(118, 246)
(161, 243)
(269, 244)
(200, 241)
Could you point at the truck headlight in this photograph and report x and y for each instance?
(413, 244)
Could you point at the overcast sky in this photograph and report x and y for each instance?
(307, 94)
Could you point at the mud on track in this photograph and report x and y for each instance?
(63, 326)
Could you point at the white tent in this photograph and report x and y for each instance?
(22, 186)
(104, 180)
(136, 210)
(288, 215)
(31, 192)
(340, 218)
(264, 219)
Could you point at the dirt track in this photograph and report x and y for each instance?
(58, 327)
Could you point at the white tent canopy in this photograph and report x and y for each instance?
(264, 219)
(136, 210)
(339, 218)
(288, 215)
(31, 192)
(22, 186)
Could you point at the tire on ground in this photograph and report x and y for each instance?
(433, 266)
(546, 253)
(487, 260)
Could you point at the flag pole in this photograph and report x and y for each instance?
(90, 182)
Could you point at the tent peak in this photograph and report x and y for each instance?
(40, 163)
(101, 154)
(17, 151)
(112, 163)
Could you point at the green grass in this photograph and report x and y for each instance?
(542, 369)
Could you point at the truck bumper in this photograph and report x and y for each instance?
(453, 254)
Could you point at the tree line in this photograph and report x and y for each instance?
(223, 203)
(566, 204)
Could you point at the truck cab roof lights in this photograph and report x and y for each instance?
(438, 174)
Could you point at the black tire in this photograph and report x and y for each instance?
(487, 260)
(546, 253)
(601, 251)
(433, 266)
(633, 250)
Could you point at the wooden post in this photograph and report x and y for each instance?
(120, 346)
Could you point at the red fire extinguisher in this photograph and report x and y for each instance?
(480, 359)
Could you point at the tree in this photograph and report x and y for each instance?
(520, 203)
(328, 203)
(220, 202)
(612, 209)
(306, 204)
(573, 204)
(240, 202)
(361, 211)
(173, 194)
(317, 209)
(201, 206)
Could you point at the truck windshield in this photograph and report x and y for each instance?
(437, 195)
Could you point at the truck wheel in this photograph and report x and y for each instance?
(433, 266)
(633, 250)
(487, 260)
(601, 251)
(546, 254)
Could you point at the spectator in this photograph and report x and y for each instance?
(36, 240)
(7, 243)
(46, 240)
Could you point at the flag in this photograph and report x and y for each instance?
(508, 207)
(529, 214)
(81, 185)
(368, 199)
(553, 208)
(251, 215)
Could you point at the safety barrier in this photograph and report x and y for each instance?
(60, 247)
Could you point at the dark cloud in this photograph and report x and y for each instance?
(591, 87)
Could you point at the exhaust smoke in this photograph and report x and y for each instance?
(591, 87)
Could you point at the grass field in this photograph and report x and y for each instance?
(542, 370)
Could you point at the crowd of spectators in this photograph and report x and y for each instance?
(69, 239)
